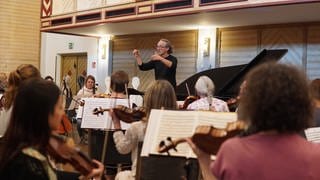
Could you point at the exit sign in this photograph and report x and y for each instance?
(70, 45)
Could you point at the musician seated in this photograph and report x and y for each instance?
(22, 73)
(87, 91)
(160, 95)
(205, 90)
(276, 105)
(119, 82)
(36, 113)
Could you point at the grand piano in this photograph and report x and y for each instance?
(227, 80)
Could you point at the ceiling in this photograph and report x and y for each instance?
(243, 17)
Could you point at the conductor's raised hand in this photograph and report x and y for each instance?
(136, 53)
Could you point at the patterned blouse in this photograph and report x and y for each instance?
(217, 105)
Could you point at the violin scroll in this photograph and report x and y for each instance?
(98, 110)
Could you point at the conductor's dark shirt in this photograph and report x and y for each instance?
(161, 71)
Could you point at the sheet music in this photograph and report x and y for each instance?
(137, 99)
(175, 124)
(89, 120)
(216, 119)
(152, 125)
(313, 134)
(179, 124)
(79, 112)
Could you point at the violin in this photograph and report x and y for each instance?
(125, 114)
(189, 100)
(102, 95)
(207, 138)
(62, 150)
(233, 103)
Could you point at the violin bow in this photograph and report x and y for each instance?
(126, 88)
(104, 150)
(188, 89)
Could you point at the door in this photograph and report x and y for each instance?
(76, 63)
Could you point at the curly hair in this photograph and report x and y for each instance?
(277, 98)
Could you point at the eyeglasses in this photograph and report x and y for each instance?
(161, 46)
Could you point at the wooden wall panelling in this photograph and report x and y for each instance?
(302, 41)
(237, 46)
(313, 52)
(19, 34)
(185, 47)
(147, 46)
(122, 55)
(290, 38)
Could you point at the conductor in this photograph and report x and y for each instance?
(163, 63)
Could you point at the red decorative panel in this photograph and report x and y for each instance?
(46, 8)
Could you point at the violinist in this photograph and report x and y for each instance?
(205, 90)
(276, 105)
(119, 82)
(160, 95)
(36, 113)
(16, 77)
(87, 91)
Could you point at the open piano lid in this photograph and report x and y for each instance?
(227, 80)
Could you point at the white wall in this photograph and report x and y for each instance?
(103, 62)
(206, 62)
(53, 45)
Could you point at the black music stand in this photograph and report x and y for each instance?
(158, 167)
(112, 156)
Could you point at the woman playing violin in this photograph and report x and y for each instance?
(205, 90)
(87, 91)
(36, 113)
(119, 82)
(159, 95)
(276, 106)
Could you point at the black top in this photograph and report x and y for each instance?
(24, 167)
(161, 71)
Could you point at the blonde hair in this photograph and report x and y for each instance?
(160, 95)
(23, 72)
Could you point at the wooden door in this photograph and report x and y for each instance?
(77, 64)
